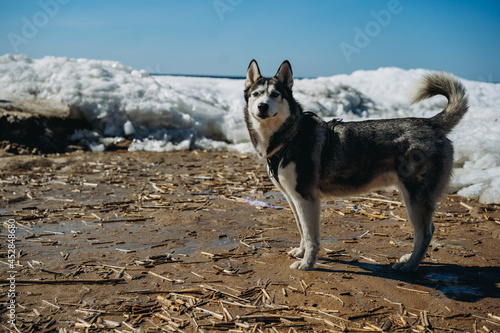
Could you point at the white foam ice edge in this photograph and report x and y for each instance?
(165, 113)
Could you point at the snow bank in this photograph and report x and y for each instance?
(164, 113)
(117, 99)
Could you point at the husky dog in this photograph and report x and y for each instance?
(308, 158)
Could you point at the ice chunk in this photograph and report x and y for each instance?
(261, 204)
(473, 191)
(492, 194)
(128, 128)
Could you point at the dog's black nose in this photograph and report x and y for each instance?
(263, 107)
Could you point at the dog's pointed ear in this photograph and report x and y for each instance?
(253, 73)
(285, 74)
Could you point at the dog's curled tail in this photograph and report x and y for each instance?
(441, 83)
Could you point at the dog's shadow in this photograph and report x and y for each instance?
(461, 283)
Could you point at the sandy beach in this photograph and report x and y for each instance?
(168, 242)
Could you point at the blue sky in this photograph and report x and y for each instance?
(220, 37)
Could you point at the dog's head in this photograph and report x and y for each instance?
(268, 98)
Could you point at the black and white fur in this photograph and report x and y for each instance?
(313, 158)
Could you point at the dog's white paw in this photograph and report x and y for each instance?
(405, 258)
(404, 265)
(297, 252)
(302, 265)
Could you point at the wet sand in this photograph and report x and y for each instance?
(165, 242)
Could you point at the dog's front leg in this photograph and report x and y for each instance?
(308, 215)
(297, 252)
(307, 211)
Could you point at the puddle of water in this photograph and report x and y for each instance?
(194, 245)
(85, 236)
(66, 227)
(330, 204)
(458, 292)
(450, 285)
(89, 236)
(329, 240)
(274, 196)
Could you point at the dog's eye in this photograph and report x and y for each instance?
(275, 94)
(255, 94)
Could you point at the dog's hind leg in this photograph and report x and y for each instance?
(420, 215)
(421, 189)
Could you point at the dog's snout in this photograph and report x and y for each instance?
(263, 107)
